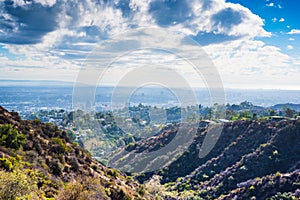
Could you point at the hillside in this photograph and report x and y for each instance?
(43, 163)
(251, 158)
(295, 107)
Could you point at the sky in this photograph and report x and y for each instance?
(252, 44)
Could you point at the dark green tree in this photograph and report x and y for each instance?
(289, 112)
(10, 137)
(272, 112)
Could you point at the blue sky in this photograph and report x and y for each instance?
(280, 18)
(253, 44)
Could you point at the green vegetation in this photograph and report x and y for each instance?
(82, 189)
(62, 147)
(10, 137)
(16, 185)
(242, 169)
(284, 196)
(250, 160)
(6, 164)
(44, 163)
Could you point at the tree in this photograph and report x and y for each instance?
(10, 137)
(289, 112)
(272, 112)
(246, 115)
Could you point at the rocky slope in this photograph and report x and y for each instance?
(57, 167)
(251, 159)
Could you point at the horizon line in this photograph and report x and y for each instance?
(17, 82)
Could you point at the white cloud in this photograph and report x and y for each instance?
(249, 21)
(253, 64)
(20, 3)
(294, 31)
(274, 19)
(281, 20)
(140, 5)
(271, 4)
(90, 14)
(90, 22)
(38, 66)
(46, 2)
(289, 47)
(291, 39)
(243, 62)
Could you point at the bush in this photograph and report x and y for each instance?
(6, 164)
(74, 164)
(283, 196)
(154, 187)
(121, 193)
(62, 147)
(10, 137)
(83, 188)
(56, 167)
(113, 172)
(142, 190)
(15, 185)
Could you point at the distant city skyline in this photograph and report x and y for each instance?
(253, 44)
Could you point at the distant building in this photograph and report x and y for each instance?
(206, 123)
(223, 120)
(140, 114)
(277, 118)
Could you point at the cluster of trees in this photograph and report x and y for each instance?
(245, 111)
(140, 121)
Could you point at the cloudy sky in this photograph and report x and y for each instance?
(253, 44)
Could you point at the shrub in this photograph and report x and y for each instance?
(15, 185)
(275, 152)
(142, 190)
(63, 148)
(6, 164)
(10, 137)
(120, 193)
(113, 173)
(283, 196)
(205, 176)
(83, 188)
(56, 167)
(131, 146)
(278, 174)
(74, 164)
(154, 187)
